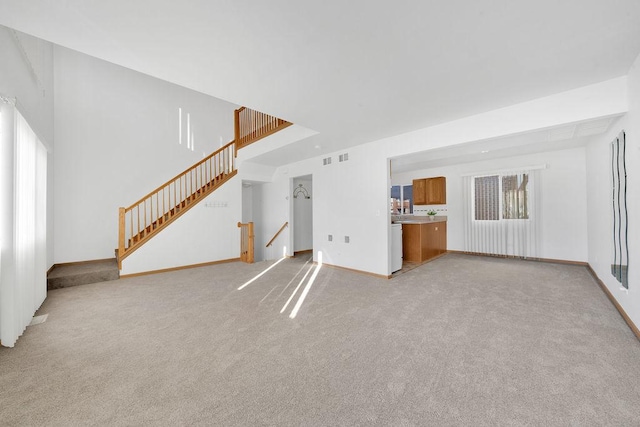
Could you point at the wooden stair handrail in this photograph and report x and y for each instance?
(192, 167)
(277, 234)
(152, 213)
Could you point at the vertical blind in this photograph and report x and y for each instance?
(23, 284)
(499, 214)
(486, 198)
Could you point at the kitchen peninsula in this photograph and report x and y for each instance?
(423, 238)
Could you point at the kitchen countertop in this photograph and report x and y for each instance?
(421, 220)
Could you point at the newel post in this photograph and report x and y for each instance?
(250, 255)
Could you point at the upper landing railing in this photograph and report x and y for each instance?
(252, 126)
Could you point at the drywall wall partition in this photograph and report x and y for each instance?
(348, 200)
(600, 218)
(562, 202)
(121, 134)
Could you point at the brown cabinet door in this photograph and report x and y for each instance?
(434, 240)
(436, 191)
(411, 250)
(420, 191)
(429, 241)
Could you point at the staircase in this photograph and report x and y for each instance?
(82, 273)
(138, 223)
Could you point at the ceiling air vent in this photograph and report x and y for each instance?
(326, 161)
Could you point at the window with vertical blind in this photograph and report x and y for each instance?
(501, 197)
(501, 212)
(23, 234)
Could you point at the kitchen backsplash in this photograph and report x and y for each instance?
(422, 210)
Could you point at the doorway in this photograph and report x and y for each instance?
(302, 202)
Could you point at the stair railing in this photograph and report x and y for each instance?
(146, 217)
(152, 213)
(246, 242)
(251, 126)
(277, 234)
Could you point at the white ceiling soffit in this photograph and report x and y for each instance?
(353, 71)
(556, 138)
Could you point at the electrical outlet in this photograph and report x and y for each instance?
(330, 238)
(346, 239)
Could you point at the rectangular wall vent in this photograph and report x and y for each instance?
(343, 157)
(326, 161)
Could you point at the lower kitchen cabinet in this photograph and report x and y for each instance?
(423, 241)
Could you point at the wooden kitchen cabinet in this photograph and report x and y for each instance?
(423, 241)
(420, 191)
(436, 191)
(430, 191)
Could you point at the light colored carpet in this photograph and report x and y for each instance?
(462, 340)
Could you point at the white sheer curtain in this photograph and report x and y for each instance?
(23, 283)
(488, 229)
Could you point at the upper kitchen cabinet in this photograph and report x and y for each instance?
(430, 191)
(436, 191)
(420, 191)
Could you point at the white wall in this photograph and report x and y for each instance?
(349, 199)
(600, 219)
(26, 73)
(352, 198)
(117, 138)
(562, 203)
(247, 203)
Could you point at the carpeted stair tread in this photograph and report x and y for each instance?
(63, 276)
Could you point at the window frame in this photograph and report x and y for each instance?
(402, 199)
(500, 176)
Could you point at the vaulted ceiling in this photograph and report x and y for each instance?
(354, 71)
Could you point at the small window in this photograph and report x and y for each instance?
(499, 197)
(401, 199)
